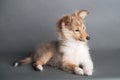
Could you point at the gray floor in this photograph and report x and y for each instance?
(106, 67)
(26, 23)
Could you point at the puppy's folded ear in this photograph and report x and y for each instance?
(83, 13)
(64, 21)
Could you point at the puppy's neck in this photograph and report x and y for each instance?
(72, 42)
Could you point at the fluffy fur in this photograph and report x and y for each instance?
(70, 52)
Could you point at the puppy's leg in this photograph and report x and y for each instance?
(88, 68)
(71, 67)
(38, 64)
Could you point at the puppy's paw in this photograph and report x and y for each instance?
(39, 67)
(79, 71)
(88, 73)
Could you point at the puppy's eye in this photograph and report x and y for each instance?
(76, 30)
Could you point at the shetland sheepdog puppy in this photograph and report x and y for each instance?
(70, 52)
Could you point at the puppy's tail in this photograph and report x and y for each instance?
(26, 60)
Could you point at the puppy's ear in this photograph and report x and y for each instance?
(83, 13)
(64, 21)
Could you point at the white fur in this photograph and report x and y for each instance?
(39, 67)
(78, 53)
(16, 64)
(79, 71)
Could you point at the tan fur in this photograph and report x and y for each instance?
(70, 27)
(68, 66)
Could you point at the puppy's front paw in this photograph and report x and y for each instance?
(88, 73)
(79, 71)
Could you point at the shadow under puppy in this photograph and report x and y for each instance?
(70, 52)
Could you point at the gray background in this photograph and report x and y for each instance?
(26, 23)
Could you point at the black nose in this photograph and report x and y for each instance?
(88, 37)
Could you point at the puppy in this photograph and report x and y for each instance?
(70, 52)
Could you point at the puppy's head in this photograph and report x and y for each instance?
(73, 27)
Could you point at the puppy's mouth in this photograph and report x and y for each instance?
(82, 40)
(87, 38)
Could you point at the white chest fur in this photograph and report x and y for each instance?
(75, 51)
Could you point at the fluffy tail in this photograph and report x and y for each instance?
(26, 60)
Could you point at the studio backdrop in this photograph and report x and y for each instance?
(26, 23)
